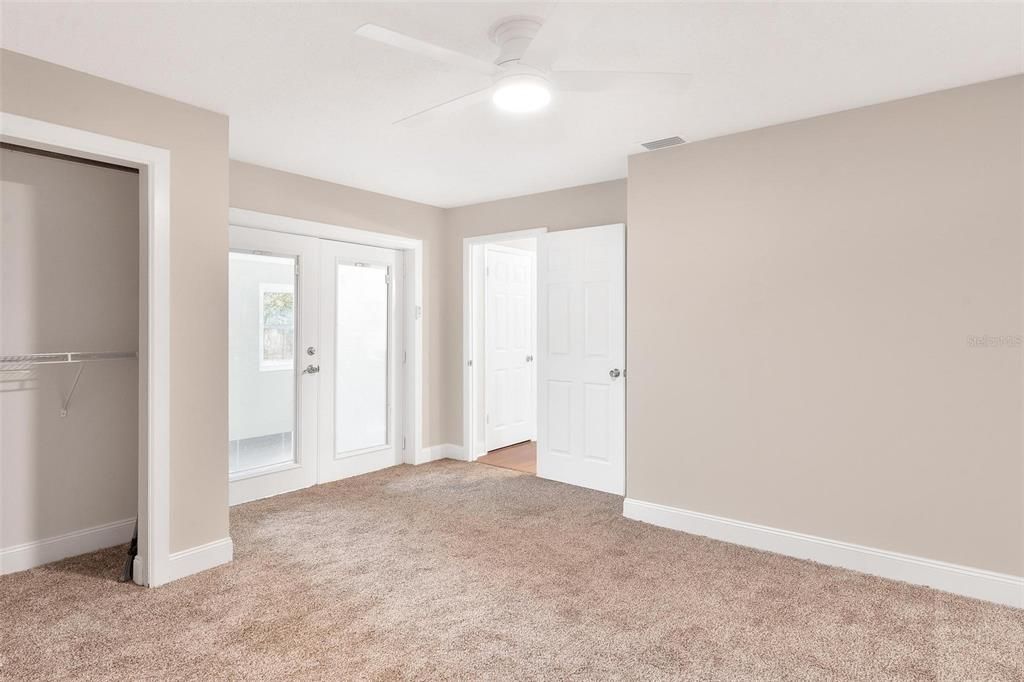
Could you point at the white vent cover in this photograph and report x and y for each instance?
(661, 144)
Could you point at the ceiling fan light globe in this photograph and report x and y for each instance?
(522, 94)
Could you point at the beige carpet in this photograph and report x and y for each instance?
(453, 570)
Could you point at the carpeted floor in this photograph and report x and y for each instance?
(454, 570)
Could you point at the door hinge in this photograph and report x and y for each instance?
(387, 278)
(403, 442)
(487, 419)
(487, 271)
(405, 357)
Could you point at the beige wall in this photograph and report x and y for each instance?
(603, 203)
(270, 191)
(65, 225)
(808, 364)
(198, 142)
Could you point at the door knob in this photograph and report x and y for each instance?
(310, 369)
(614, 374)
(529, 358)
(311, 351)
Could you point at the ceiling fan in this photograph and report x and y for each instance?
(523, 80)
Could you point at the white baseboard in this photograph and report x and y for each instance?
(443, 451)
(964, 580)
(196, 559)
(31, 554)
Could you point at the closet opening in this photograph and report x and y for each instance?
(75, 350)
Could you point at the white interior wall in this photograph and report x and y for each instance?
(69, 281)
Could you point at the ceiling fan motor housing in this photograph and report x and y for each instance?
(513, 35)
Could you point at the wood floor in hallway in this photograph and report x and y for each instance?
(518, 457)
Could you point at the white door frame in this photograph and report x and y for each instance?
(411, 257)
(472, 290)
(152, 564)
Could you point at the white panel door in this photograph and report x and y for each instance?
(359, 363)
(581, 351)
(508, 363)
(272, 319)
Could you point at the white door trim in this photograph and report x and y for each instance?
(412, 327)
(152, 565)
(471, 291)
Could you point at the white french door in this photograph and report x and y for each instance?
(581, 351)
(359, 333)
(509, 320)
(314, 346)
(273, 317)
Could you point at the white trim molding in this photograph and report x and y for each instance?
(443, 451)
(154, 164)
(31, 554)
(195, 559)
(970, 582)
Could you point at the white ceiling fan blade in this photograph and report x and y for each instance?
(554, 33)
(426, 49)
(451, 106)
(595, 81)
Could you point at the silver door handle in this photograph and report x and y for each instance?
(311, 369)
(529, 358)
(614, 374)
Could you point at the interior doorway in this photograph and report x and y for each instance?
(502, 319)
(563, 418)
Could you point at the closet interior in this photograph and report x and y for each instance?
(70, 308)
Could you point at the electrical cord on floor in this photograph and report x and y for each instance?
(133, 549)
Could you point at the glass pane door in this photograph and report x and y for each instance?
(261, 369)
(359, 328)
(272, 318)
(361, 367)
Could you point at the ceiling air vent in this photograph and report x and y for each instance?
(661, 144)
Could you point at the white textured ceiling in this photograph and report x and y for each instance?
(306, 95)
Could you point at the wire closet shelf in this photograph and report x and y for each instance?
(23, 363)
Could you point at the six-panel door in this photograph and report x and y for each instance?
(581, 351)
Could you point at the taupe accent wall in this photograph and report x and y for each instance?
(198, 142)
(824, 326)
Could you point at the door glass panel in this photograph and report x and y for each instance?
(261, 371)
(361, 380)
